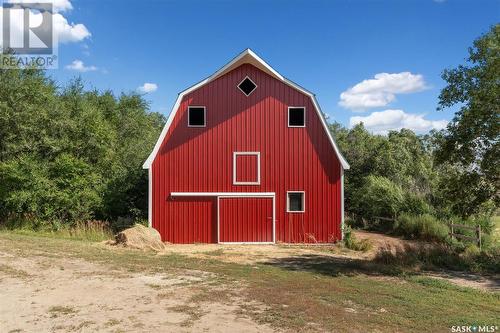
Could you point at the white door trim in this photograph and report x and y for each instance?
(219, 195)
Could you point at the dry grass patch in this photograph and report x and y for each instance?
(111, 322)
(13, 272)
(215, 253)
(58, 310)
(84, 324)
(154, 286)
(194, 313)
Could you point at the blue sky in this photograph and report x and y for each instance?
(325, 46)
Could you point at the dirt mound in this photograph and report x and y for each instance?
(140, 237)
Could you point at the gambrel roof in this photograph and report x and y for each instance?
(246, 57)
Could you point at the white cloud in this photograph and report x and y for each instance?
(147, 87)
(384, 121)
(69, 32)
(65, 32)
(61, 5)
(79, 66)
(57, 5)
(381, 90)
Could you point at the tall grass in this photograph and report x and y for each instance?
(424, 227)
(93, 230)
(442, 256)
(352, 243)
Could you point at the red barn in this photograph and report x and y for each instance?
(246, 157)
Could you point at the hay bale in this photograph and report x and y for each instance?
(140, 237)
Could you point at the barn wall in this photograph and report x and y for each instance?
(200, 160)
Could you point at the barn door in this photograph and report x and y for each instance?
(245, 220)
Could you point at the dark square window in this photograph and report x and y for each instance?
(296, 201)
(247, 86)
(296, 117)
(196, 116)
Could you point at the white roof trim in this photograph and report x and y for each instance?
(247, 56)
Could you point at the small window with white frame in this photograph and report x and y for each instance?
(247, 86)
(295, 202)
(296, 116)
(197, 116)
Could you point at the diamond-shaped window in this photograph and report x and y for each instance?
(247, 86)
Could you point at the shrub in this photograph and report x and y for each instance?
(379, 196)
(352, 243)
(471, 251)
(353, 222)
(424, 227)
(415, 204)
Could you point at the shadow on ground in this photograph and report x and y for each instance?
(332, 266)
(433, 261)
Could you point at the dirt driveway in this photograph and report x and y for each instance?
(41, 294)
(67, 286)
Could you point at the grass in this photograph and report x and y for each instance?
(352, 243)
(496, 228)
(440, 257)
(215, 253)
(305, 293)
(194, 313)
(93, 231)
(13, 272)
(424, 227)
(111, 322)
(56, 311)
(154, 286)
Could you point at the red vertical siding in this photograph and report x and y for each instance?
(247, 167)
(200, 160)
(246, 219)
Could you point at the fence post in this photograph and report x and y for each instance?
(478, 234)
(451, 225)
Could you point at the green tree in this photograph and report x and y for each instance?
(70, 154)
(470, 143)
(389, 174)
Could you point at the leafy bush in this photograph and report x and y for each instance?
(416, 204)
(424, 227)
(352, 243)
(379, 196)
(471, 251)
